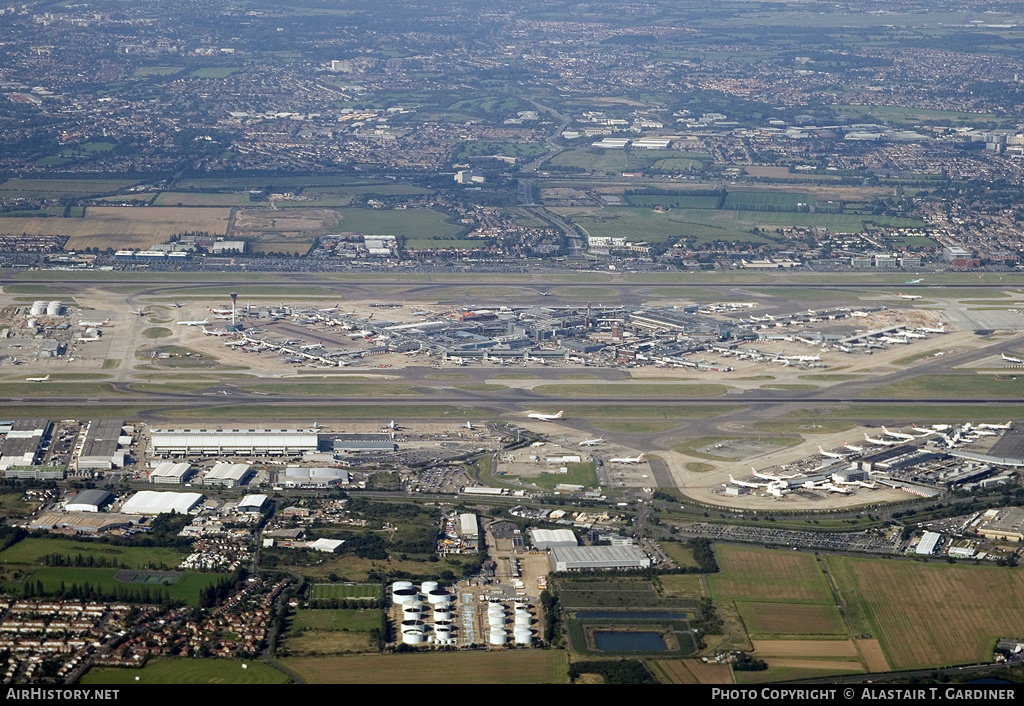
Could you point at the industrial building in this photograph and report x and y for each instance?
(229, 475)
(81, 522)
(214, 442)
(1006, 524)
(24, 443)
(588, 558)
(92, 500)
(150, 502)
(168, 473)
(99, 450)
(545, 539)
(299, 477)
(251, 503)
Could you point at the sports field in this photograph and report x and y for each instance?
(784, 577)
(322, 591)
(931, 614)
(190, 671)
(505, 667)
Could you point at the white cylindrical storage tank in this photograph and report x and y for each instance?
(38, 308)
(413, 637)
(496, 608)
(495, 620)
(497, 637)
(401, 585)
(428, 586)
(523, 636)
(405, 595)
(53, 308)
(439, 595)
(440, 615)
(412, 611)
(523, 620)
(32, 323)
(443, 630)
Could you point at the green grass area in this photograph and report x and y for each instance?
(187, 588)
(633, 390)
(584, 474)
(146, 71)
(605, 160)
(326, 591)
(189, 671)
(157, 332)
(675, 200)
(961, 386)
(758, 200)
(787, 577)
(185, 198)
(415, 224)
(803, 427)
(32, 550)
(68, 390)
(335, 389)
(636, 427)
(697, 467)
(33, 289)
(214, 72)
(304, 413)
(472, 668)
(681, 554)
(110, 363)
(789, 386)
(332, 620)
(481, 387)
(57, 188)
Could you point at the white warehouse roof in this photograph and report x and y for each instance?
(548, 538)
(151, 502)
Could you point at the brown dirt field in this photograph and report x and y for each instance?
(682, 585)
(804, 648)
(498, 667)
(676, 671)
(124, 226)
(815, 664)
(254, 221)
(709, 673)
(873, 656)
(791, 619)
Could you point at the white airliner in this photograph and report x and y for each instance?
(909, 296)
(204, 322)
(859, 314)
(833, 488)
(879, 442)
(208, 332)
(803, 358)
(897, 435)
(924, 432)
(1011, 359)
(218, 311)
(927, 329)
(915, 281)
(823, 452)
(545, 417)
(87, 339)
(996, 426)
(592, 442)
(45, 379)
(312, 346)
(858, 449)
(744, 484)
(469, 425)
(93, 324)
(628, 459)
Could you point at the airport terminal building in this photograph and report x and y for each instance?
(216, 442)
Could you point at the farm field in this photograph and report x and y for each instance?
(940, 614)
(55, 188)
(121, 227)
(413, 223)
(336, 620)
(788, 577)
(791, 619)
(186, 198)
(690, 671)
(190, 671)
(506, 667)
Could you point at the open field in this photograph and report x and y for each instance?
(791, 619)
(1008, 385)
(819, 649)
(121, 227)
(186, 588)
(335, 620)
(787, 577)
(690, 671)
(415, 223)
(190, 671)
(33, 550)
(504, 667)
(57, 188)
(321, 591)
(926, 614)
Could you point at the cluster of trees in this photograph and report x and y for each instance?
(743, 662)
(552, 616)
(123, 593)
(624, 671)
(83, 561)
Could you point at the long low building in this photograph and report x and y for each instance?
(151, 502)
(99, 450)
(602, 557)
(229, 475)
(194, 442)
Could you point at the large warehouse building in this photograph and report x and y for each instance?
(150, 502)
(583, 558)
(213, 442)
(229, 475)
(99, 450)
(24, 443)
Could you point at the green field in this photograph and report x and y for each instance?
(965, 386)
(31, 550)
(584, 474)
(190, 671)
(335, 620)
(633, 390)
(418, 224)
(787, 577)
(322, 591)
(185, 589)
